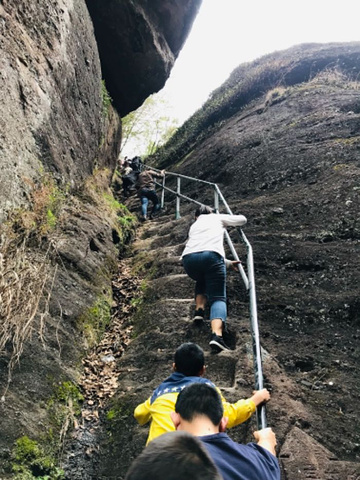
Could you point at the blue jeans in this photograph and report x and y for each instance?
(208, 270)
(145, 196)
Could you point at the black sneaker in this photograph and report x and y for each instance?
(199, 316)
(217, 343)
(155, 214)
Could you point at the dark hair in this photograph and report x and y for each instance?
(174, 456)
(189, 359)
(203, 210)
(200, 399)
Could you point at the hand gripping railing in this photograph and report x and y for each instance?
(249, 279)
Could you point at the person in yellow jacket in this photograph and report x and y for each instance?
(189, 367)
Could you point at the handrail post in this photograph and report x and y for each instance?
(216, 200)
(162, 202)
(178, 191)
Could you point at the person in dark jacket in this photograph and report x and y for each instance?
(128, 177)
(135, 164)
(199, 411)
(146, 191)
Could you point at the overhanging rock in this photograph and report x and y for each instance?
(138, 43)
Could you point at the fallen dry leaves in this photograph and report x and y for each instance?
(99, 380)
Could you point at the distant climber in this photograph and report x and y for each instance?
(129, 178)
(199, 411)
(135, 164)
(146, 191)
(204, 261)
(189, 367)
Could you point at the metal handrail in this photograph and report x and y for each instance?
(249, 279)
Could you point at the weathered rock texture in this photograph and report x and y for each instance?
(138, 44)
(281, 139)
(51, 99)
(59, 140)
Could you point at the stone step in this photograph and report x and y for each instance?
(320, 464)
(173, 286)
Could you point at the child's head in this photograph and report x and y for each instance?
(189, 359)
(199, 400)
(174, 456)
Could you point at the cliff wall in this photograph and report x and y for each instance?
(61, 229)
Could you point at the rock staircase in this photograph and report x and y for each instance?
(162, 323)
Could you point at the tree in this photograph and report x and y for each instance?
(148, 127)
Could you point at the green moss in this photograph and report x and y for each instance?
(106, 99)
(51, 219)
(113, 203)
(93, 322)
(30, 460)
(124, 222)
(63, 406)
(67, 392)
(136, 302)
(127, 221)
(143, 265)
(120, 410)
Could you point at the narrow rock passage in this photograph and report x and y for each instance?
(162, 323)
(99, 379)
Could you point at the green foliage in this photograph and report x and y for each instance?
(148, 127)
(127, 221)
(136, 302)
(124, 220)
(93, 322)
(120, 410)
(47, 201)
(63, 407)
(65, 393)
(113, 203)
(106, 99)
(30, 460)
(51, 219)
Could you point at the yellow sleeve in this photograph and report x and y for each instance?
(142, 412)
(237, 412)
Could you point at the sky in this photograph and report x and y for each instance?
(227, 33)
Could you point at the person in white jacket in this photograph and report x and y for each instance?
(204, 261)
